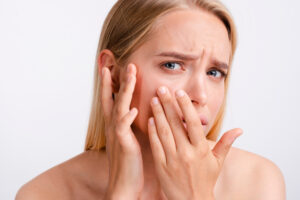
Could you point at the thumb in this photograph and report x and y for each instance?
(224, 144)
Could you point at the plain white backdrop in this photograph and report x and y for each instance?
(47, 54)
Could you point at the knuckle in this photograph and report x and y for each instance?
(125, 87)
(189, 157)
(161, 113)
(186, 156)
(185, 101)
(118, 111)
(222, 142)
(203, 151)
(157, 110)
(167, 99)
(226, 146)
(164, 131)
(121, 126)
(124, 121)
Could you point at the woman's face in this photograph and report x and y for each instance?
(189, 50)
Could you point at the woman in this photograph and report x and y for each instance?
(161, 79)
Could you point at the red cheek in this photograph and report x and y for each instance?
(141, 100)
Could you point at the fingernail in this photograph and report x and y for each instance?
(162, 90)
(179, 93)
(155, 100)
(133, 111)
(129, 78)
(151, 121)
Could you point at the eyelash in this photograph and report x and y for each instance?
(223, 74)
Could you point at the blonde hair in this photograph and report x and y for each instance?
(126, 27)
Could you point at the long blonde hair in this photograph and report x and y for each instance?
(126, 27)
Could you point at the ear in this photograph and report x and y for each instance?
(107, 59)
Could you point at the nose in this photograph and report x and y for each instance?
(196, 89)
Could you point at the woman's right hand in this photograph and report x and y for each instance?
(126, 177)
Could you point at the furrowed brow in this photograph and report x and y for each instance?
(220, 64)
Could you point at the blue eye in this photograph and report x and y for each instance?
(216, 73)
(171, 65)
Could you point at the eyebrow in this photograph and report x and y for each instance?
(182, 56)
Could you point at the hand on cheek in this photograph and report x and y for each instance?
(185, 165)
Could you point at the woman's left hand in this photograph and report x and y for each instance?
(185, 165)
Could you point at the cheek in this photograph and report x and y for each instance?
(215, 102)
(145, 90)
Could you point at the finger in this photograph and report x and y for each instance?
(163, 129)
(155, 144)
(125, 136)
(126, 90)
(192, 120)
(223, 146)
(105, 92)
(174, 120)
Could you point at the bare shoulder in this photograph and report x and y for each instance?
(80, 177)
(255, 176)
(247, 175)
(45, 186)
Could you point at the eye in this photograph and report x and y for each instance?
(217, 73)
(171, 65)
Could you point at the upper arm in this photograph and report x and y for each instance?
(269, 184)
(28, 192)
(38, 190)
(49, 185)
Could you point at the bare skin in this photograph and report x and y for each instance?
(243, 176)
(86, 176)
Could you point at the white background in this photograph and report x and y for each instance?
(47, 53)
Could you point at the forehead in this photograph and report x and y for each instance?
(190, 31)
